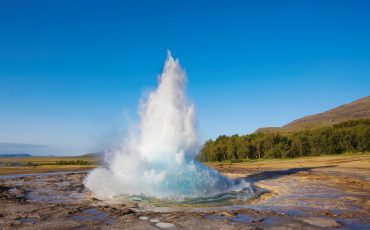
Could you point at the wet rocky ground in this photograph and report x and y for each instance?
(296, 198)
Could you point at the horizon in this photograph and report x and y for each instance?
(71, 85)
(43, 150)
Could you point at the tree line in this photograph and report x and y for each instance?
(349, 136)
(76, 162)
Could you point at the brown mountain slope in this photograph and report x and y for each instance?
(355, 110)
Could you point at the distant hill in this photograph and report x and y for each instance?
(359, 109)
(97, 154)
(15, 155)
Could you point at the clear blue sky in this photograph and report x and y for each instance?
(71, 70)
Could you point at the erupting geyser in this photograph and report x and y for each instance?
(158, 160)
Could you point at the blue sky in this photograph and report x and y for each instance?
(72, 71)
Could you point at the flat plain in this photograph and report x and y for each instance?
(27, 165)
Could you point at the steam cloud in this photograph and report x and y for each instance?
(158, 160)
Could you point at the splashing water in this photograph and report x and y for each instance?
(158, 161)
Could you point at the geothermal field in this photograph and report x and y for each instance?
(152, 181)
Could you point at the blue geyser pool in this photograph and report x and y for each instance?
(157, 160)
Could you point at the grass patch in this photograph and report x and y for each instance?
(76, 162)
(22, 165)
(286, 158)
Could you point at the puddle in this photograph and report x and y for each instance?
(241, 218)
(271, 220)
(355, 223)
(32, 220)
(216, 217)
(92, 211)
(94, 214)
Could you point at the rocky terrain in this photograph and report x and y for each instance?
(314, 194)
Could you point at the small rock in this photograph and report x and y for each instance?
(164, 225)
(143, 218)
(130, 211)
(321, 222)
(154, 220)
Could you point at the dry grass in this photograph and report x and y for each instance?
(45, 160)
(353, 162)
(48, 164)
(43, 169)
(23, 165)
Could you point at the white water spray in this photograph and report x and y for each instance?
(158, 161)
